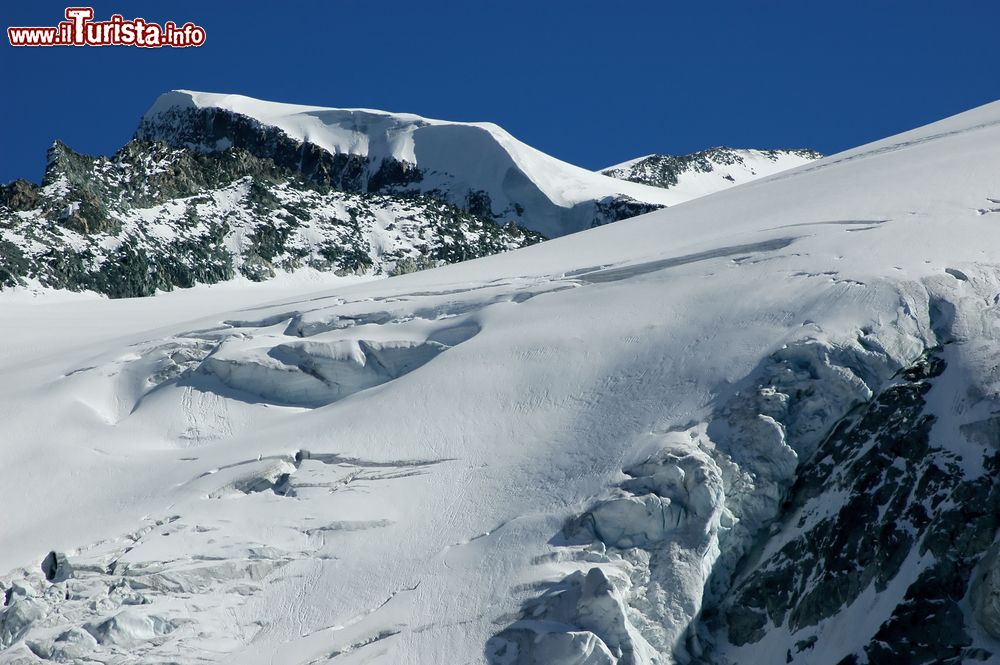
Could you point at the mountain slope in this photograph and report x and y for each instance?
(214, 187)
(708, 171)
(619, 446)
(477, 166)
(153, 218)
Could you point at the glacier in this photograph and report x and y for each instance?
(647, 442)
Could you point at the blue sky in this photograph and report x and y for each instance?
(592, 83)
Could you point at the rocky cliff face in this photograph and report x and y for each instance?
(155, 217)
(841, 510)
(886, 521)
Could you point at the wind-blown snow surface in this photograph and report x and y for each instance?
(591, 430)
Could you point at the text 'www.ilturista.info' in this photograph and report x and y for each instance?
(79, 29)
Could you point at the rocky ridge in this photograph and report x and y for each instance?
(153, 217)
(731, 165)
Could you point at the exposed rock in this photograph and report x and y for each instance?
(883, 508)
(154, 217)
(19, 195)
(613, 209)
(664, 170)
(986, 592)
(983, 432)
(211, 129)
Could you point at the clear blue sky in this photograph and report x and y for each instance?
(592, 83)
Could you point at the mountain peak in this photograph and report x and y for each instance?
(463, 160)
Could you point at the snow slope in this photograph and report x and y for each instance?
(555, 455)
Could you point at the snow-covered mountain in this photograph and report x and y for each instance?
(476, 166)
(768, 436)
(708, 171)
(214, 187)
